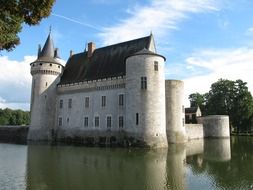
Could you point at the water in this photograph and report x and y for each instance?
(209, 164)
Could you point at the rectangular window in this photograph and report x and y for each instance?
(183, 122)
(60, 121)
(103, 101)
(121, 121)
(183, 110)
(156, 65)
(87, 102)
(109, 121)
(121, 99)
(70, 103)
(137, 119)
(143, 82)
(96, 121)
(61, 104)
(86, 121)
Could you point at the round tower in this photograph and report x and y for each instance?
(45, 73)
(145, 98)
(175, 117)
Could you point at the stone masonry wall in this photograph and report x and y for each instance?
(13, 134)
(194, 131)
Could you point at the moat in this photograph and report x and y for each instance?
(208, 164)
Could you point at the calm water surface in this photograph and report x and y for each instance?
(209, 164)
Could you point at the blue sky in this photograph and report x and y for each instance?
(203, 40)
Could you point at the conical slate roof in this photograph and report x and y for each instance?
(48, 49)
(145, 51)
(48, 52)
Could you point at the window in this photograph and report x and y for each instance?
(121, 121)
(121, 99)
(60, 121)
(103, 101)
(183, 122)
(109, 121)
(70, 103)
(50, 64)
(137, 119)
(156, 65)
(183, 110)
(143, 82)
(46, 84)
(61, 104)
(86, 121)
(96, 121)
(87, 102)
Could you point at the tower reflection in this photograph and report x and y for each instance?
(70, 167)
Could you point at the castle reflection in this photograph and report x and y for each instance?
(71, 167)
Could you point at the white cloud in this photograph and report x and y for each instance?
(161, 16)
(229, 64)
(249, 31)
(15, 82)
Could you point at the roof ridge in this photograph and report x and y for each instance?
(124, 42)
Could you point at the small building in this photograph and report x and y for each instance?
(191, 114)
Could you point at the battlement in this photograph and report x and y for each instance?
(46, 68)
(99, 84)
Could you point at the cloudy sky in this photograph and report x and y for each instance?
(203, 40)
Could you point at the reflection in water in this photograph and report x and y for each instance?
(12, 166)
(64, 167)
(178, 167)
(217, 149)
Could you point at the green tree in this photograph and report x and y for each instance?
(231, 98)
(14, 117)
(197, 99)
(13, 13)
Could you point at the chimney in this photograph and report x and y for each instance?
(71, 53)
(39, 50)
(91, 48)
(56, 53)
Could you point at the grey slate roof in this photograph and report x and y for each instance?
(47, 53)
(191, 110)
(105, 62)
(146, 52)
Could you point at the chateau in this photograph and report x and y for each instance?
(114, 95)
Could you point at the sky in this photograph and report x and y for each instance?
(202, 40)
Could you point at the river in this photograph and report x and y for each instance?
(209, 164)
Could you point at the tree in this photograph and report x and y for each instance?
(14, 117)
(13, 13)
(197, 99)
(231, 98)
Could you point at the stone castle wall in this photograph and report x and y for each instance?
(194, 131)
(13, 134)
(216, 126)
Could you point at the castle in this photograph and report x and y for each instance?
(114, 95)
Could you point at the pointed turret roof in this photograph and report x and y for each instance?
(48, 49)
(48, 52)
(145, 51)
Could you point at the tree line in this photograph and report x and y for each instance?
(14, 117)
(227, 97)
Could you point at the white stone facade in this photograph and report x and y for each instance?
(86, 102)
(137, 107)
